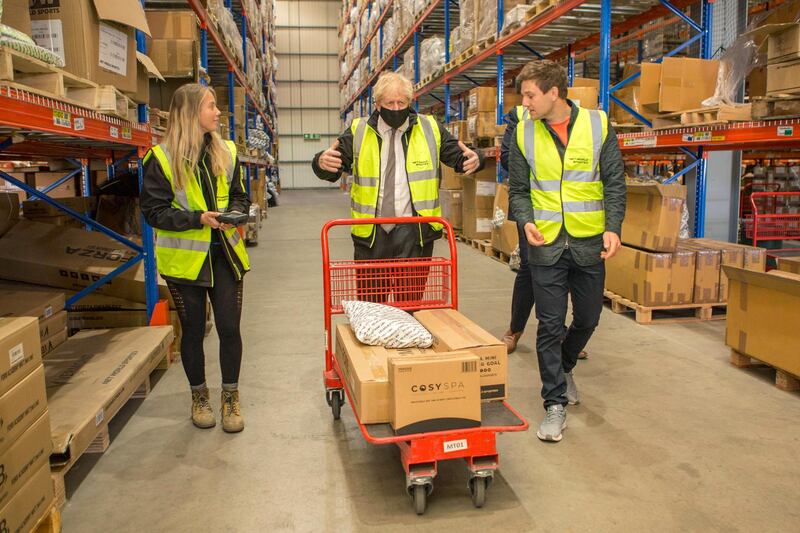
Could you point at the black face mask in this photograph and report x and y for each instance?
(394, 118)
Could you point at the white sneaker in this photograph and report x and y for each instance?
(555, 421)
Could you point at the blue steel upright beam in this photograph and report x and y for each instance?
(446, 8)
(416, 64)
(86, 185)
(148, 252)
(204, 52)
(570, 65)
(231, 108)
(141, 46)
(605, 53)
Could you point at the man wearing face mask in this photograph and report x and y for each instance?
(394, 157)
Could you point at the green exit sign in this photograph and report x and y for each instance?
(311, 136)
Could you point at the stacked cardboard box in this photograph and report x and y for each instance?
(174, 44)
(44, 304)
(9, 211)
(425, 389)
(478, 203)
(482, 118)
(504, 237)
(585, 92)
(452, 206)
(783, 60)
(25, 445)
(763, 313)
(789, 264)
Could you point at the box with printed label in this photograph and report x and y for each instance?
(653, 216)
(365, 370)
(24, 458)
(19, 350)
(22, 299)
(91, 376)
(642, 277)
(49, 327)
(29, 505)
(452, 331)
(484, 125)
(55, 340)
(435, 392)
(458, 129)
(762, 316)
(21, 406)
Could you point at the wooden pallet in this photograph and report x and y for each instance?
(722, 114)
(628, 127)
(540, 8)
(785, 92)
(102, 439)
(783, 380)
(778, 107)
(666, 314)
(50, 522)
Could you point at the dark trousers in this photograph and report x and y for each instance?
(406, 284)
(552, 285)
(226, 301)
(522, 297)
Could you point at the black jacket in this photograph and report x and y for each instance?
(509, 137)
(156, 203)
(449, 154)
(612, 173)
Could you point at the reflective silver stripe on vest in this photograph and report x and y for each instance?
(234, 238)
(182, 244)
(366, 181)
(529, 126)
(361, 208)
(426, 204)
(180, 194)
(584, 176)
(421, 175)
(597, 136)
(358, 140)
(545, 185)
(427, 130)
(550, 216)
(583, 207)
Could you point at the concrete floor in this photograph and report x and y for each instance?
(669, 435)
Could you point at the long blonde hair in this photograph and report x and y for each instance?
(184, 137)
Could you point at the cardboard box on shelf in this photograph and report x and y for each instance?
(21, 406)
(55, 340)
(484, 125)
(757, 82)
(706, 273)
(784, 45)
(453, 331)
(452, 207)
(789, 264)
(482, 100)
(24, 458)
(650, 85)
(505, 238)
(145, 69)
(682, 280)
(28, 506)
(686, 82)
(451, 180)
(94, 37)
(476, 225)
(586, 82)
(40, 208)
(585, 97)
(15, 14)
(9, 211)
(70, 258)
(730, 255)
(783, 77)
(91, 376)
(42, 180)
(48, 327)
(458, 129)
(642, 277)
(365, 370)
(762, 317)
(653, 216)
(173, 24)
(19, 350)
(435, 392)
(501, 198)
(478, 204)
(21, 299)
(174, 58)
(631, 96)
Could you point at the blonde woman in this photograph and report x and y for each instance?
(189, 181)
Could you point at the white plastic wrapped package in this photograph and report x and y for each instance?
(431, 57)
(383, 325)
(407, 17)
(469, 26)
(487, 20)
(499, 218)
(354, 15)
(419, 6)
(455, 42)
(388, 35)
(408, 64)
(515, 15)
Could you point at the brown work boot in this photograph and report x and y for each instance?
(511, 339)
(202, 414)
(232, 420)
(583, 355)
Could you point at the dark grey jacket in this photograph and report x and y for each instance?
(586, 251)
(449, 154)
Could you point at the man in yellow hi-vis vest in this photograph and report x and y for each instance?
(394, 157)
(567, 186)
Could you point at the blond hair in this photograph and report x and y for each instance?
(184, 137)
(389, 80)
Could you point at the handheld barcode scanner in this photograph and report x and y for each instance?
(234, 218)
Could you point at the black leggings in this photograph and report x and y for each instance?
(226, 301)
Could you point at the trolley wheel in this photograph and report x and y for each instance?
(477, 487)
(335, 399)
(420, 496)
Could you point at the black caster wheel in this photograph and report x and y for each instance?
(335, 399)
(477, 487)
(420, 497)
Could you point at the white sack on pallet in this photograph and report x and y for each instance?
(515, 15)
(469, 27)
(487, 23)
(431, 55)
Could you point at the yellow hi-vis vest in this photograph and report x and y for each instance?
(522, 113)
(567, 193)
(422, 168)
(181, 254)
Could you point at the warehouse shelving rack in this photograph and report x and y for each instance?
(570, 28)
(34, 126)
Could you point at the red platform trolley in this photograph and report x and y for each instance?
(412, 284)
